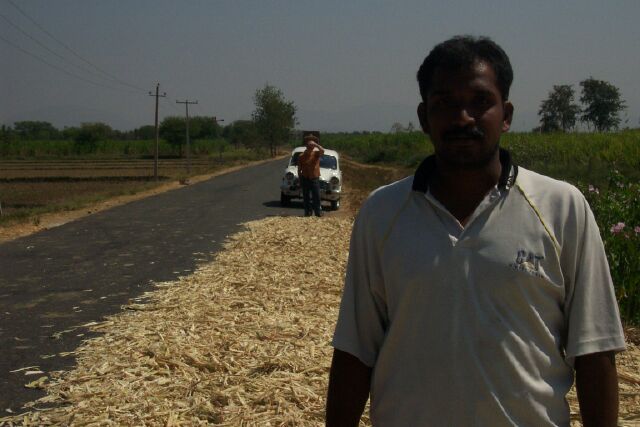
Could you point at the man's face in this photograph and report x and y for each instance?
(464, 115)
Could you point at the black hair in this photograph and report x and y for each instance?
(461, 52)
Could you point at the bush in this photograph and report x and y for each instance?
(617, 211)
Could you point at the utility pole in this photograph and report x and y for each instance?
(155, 163)
(186, 103)
(220, 147)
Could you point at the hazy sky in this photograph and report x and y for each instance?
(347, 65)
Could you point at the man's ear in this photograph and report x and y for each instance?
(422, 117)
(508, 116)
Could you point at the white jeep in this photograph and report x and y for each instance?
(330, 179)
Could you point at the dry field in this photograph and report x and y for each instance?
(244, 341)
(30, 188)
(98, 168)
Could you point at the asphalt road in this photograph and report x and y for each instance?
(53, 281)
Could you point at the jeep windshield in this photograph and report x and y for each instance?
(326, 161)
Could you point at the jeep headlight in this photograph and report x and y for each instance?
(335, 183)
(289, 177)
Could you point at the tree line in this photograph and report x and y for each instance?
(274, 118)
(271, 124)
(601, 106)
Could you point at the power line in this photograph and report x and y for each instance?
(66, 60)
(174, 108)
(77, 55)
(67, 72)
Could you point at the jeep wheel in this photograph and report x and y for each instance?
(284, 199)
(335, 205)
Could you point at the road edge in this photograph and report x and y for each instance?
(56, 219)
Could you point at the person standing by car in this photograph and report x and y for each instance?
(309, 173)
(476, 289)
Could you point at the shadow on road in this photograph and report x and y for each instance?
(277, 204)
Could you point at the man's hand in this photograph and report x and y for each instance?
(349, 383)
(314, 144)
(597, 387)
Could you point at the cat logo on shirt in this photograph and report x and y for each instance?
(527, 262)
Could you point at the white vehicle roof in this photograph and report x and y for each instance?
(326, 151)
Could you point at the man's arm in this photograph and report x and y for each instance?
(597, 387)
(319, 147)
(300, 165)
(349, 384)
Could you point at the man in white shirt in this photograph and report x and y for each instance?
(474, 289)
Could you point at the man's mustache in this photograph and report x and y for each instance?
(463, 133)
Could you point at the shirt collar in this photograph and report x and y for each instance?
(424, 172)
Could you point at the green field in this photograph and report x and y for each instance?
(24, 149)
(605, 167)
(586, 157)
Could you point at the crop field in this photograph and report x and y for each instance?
(605, 167)
(586, 157)
(51, 170)
(30, 187)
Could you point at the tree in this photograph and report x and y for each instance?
(70, 133)
(86, 137)
(5, 133)
(397, 128)
(93, 132)
(173, 130)
(602, 102)
(558, 111)
(35, 130)
(242, 132)
(201, 127)
(274, 116)
(145, 132)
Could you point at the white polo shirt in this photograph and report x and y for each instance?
(476, 326)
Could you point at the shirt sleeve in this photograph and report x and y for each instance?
(591, 309)
(362, 320)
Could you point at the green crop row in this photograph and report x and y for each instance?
(572, 157)
(45, 149)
